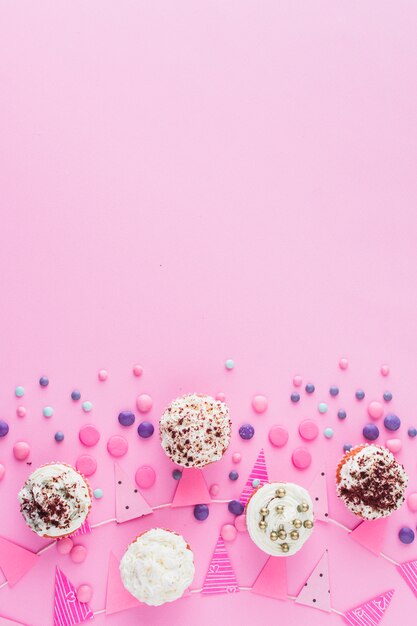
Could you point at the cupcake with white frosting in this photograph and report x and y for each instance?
(279, 518)
(157, 567)
(371, 482)
(195, 430)
(55, 500)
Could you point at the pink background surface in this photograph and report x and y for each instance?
(187, 182)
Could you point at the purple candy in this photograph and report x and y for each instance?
(392, 422)
(201, 512)
(246, 431)
(145, 429)
(233, 475)
(406, 534)
(370, 432)
(126, 418)
(4, 428)
(235, 507)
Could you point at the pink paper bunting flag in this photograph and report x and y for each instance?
(15, 561)
(130, 504)
(192, 489)
(371, 534)
(408, 571)
(84, 529)
(4, 621)
(318, 492)
(316, 590)
(67, 609)
(117, 597)
(272, 579)
(220, 576)
(370, 613)
(260, 472)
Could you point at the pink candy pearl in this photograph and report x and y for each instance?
(145, 476)
(343, 363)
(86, 464)
(2, 471)
(228, 532)
(259, 404)
(117, 446)
(21, 450)
(144, 403)
(308, 430)
(20, 411)
(102, 375)
(64, 546)
(221, 396)
(78, 554)
(89, 435)
(240, 523)
(236, 457)
(412, 502)
(301, 458)
(278, 436)
(297, 381)
(137, 370)
(84, 593)
(214, 490)
(375, 410)
(394, 445)
(384, 370)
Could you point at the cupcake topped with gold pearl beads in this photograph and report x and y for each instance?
(279, 518)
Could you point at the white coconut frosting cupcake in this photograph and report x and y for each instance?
(157, 567)
(195, 430)
(279, 518)
(55, 500)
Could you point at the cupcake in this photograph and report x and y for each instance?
(55, 500)
(279, 518)
(371, 482)
(195, 430)
(157, 567)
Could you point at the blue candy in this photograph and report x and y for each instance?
(360, 394)
(309, 388)
(387, 395)
(201, 512)
(59, 436)
(98, 493)
(295, 397)
(406, 534)
(334, 391)
(44, 381)
(392, 422)
(246, 431)
(145, 429)
(412, 432)
(4, 428)
(370, 432)
(126, 418)
(328, 433)
(75, 395)
(176, 474)
(235, 507)
(341, 414)
(233, 475)
(347, 447)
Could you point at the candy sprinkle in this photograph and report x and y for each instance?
(328, 433)
(87, 406)
(229, 364)
(19, 391)
(322, 407)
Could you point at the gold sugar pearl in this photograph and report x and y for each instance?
(264, 511)
(282, 534)
(273, 535)
(280, 492)
(308, 524)
(303, 507)
(294, 535)
(262, 524)
(280, 509)
(285, 547)
(297, 523)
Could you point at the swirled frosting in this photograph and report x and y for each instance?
(371, 482)
(279, 518)
(157, 567)
(195, 430)
(55, 500)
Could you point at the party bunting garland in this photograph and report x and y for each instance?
(316, 590)
(192, 489)
(318, 491)
(371, 534)
(117, 597)
(84, 529)
(371, 612)
(272, 579)
(408, 571)
(220, 577)
(258, 472)
(68, 611)
(130, 504)
(15, 561)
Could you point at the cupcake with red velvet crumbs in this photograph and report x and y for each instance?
(195, 430)
(371, 482)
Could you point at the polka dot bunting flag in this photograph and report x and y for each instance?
(316, 590)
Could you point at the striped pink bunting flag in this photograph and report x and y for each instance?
(408, 571)
(67, 609)
(220, 576)
(84, 529)
(260, 472)
(370, 613)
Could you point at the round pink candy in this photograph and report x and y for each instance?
(259, 404)
(78, 553)
(84, 593)
(2, 471)
(21, 450)
(102, 375)
(228, 532)
(240, 523)
(214, 490)
(86, 464)
(20, 411)
(412, 502)
(137, 370)
(145, 476)
(236, 457)
(375, 410)
(394, 445)
(144, 403)
(301, 458)
(89, 435)
(343, 363)
(297, 381)
(221, 396)
(278, 436)
(308, 430)
(384, 370)
(117, 446)
(64, 546)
